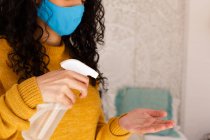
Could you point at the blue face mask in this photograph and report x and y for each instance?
(63, 20)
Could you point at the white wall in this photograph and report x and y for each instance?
(197, 84)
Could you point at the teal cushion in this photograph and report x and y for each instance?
(128, 99)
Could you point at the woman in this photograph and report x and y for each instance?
(35, 37)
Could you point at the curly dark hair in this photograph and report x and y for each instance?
(18, 24)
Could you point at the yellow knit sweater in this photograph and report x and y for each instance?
(85, 121)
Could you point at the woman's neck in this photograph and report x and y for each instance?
(49, 36)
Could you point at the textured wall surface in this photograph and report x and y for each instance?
(197, 79)
(144, 46)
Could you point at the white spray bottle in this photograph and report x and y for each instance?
(48, 115)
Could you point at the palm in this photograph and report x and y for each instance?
(145, 121)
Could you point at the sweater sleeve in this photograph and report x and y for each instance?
(111, 130)
(17, 105)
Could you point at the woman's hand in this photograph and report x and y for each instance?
(145, 121)
(56, 86)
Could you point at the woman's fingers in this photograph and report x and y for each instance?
(56, 86)
(156, 113)
(78, 76)
(145, 121)
(161, 127)
(154, 128)
(74, 84)
(145, 130)
(63, 99)
(164, 122)
(152, 124)
(71, 96)
(68, 102)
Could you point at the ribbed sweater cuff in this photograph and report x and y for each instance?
(30, 93)
(116, 129)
